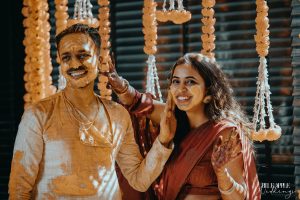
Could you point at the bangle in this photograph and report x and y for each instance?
(125, 88)
(230, 190)
(240, 188)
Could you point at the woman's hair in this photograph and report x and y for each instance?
(80, 28)
(223, 105)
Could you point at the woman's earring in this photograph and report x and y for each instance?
(207, 99)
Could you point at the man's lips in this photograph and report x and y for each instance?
(78, 72)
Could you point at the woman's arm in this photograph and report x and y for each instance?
(136, 102)
(227, 160)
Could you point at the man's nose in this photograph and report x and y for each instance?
(75, 62)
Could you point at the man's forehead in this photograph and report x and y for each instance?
(76, 39)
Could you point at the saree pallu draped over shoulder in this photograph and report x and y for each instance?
(192, 150)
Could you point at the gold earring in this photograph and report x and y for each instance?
(207, 99)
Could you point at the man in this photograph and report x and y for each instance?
(67, 144)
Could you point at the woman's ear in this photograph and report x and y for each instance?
(207, 99)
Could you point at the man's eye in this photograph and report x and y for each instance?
(66, 58)
(83, 56)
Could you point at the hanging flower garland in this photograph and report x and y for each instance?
(61, 15)
(261, 110)
(150, 37)
(61, 20)
(104, 31)
(177, 16)
(38, 68)
(208, 37)
(83, 14)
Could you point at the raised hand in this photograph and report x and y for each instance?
(117, 83)
(225, 151)
(168, 122)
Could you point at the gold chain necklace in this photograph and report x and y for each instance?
(74, 110)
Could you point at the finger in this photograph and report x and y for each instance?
(170, 99)
(112, 56)
(235, 157)
(112, 67)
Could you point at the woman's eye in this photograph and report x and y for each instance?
(190, 82)
(175, 82)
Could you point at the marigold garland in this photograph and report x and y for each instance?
(38, 67)
(104, 31)
(263, 87)
(208, 37)
(150, 37)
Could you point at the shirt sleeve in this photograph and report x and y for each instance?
(140, 172)
(28, 151)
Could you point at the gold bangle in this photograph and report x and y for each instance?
(125, 88)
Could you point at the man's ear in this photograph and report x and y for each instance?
(100, 59)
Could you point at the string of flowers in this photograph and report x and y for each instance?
(208, 37)
(150, 37)
(38, 67)
(263, 107)
(177, 16)
(61, 15)
(104, 31)
(61, 19)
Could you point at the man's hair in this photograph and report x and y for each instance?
(80, 28)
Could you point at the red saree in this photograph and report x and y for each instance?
(192, 150)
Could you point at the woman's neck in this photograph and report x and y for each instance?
(197, 117)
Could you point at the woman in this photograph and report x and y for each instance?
(213, 157)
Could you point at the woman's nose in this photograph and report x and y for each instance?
(182, 87)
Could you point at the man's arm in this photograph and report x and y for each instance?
(28, 151)
(140, 172)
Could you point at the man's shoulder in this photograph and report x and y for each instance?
(45, 104)
(109, 104)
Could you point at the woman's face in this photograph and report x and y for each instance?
(79, 59)
(187, 88)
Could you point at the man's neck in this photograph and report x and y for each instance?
(81, 97)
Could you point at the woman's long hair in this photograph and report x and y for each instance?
(223, 105)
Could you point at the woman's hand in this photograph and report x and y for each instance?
(224, 152)
(118, 84)
(168, 122)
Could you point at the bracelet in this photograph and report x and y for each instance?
(125, 88)
(240, 188)
(230, 190)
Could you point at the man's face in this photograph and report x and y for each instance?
(79, 59)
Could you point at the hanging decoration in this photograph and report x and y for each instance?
(38, 67)
(83, 14)
(177, 16)
(61, 15)
(104, 31)
(150, 36)
(208, 37)
(263, 107)
(61, 19)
